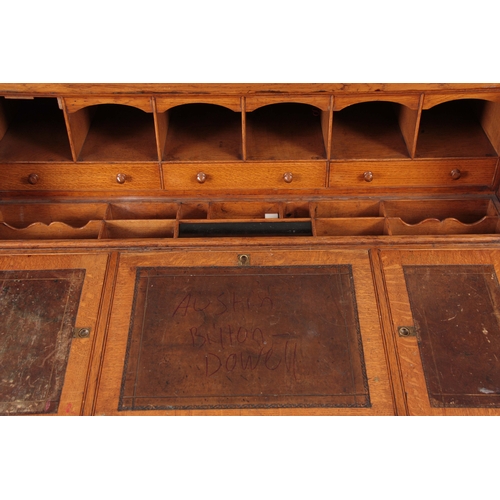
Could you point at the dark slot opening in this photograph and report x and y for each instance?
(292, 228)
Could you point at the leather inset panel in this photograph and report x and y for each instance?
(37, 315)
(229, 337)
(455, 309)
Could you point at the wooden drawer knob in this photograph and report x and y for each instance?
(121, 178)
(455, 174)
(201, 177)
(33, 178)
(368, 176)
(288, 177)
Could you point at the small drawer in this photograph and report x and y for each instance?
(425, 173)
(244, 175)
(79, 177)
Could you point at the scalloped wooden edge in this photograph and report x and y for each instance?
(52, 231)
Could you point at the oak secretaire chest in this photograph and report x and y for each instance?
(257, 249)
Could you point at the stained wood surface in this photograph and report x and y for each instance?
(465, 210)
(396, 226)
(285, 132)
(74, 104)
(490, 121)
(358, 226)
(453, 129)
(52, 231)
(248, 175)
(200, 132)
(78, 125)
(254, 102)
(450, 296)
(36, 132)
(432, 99)
(474, 172)
(77, 177)
(368, 130)
(165, 103)
(126, 229)
(140, 210)
(120, 133)
(411, 100)
(242, 210)
(346, 208)
(176, 311)
(122, 89)
(73, 214)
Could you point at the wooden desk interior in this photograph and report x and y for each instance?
(250, 249)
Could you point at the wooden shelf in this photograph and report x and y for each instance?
(32, 130)
(200, 132)
(285, 131)
(368, 130)
(453, 129)
(118, 133)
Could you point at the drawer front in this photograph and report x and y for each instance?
(79, 177)
(244, 175)
(438, 173)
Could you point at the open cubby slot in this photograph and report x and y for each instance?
(453, 129)
(202, 132)
(126, 229)
(193, 211)
(487, 225)
(33, 130)
(347, 208)
(73, 214)
(356, 226)
(369, 130)
(297, 210)
(117, 133)
(244, 210)
(244, 228)
(142, 210)
(467, 211)
(52, 231)
(285, 131)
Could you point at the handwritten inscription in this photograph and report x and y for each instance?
(227, 336)
(223, 303)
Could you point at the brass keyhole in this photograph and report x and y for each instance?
(244, 260)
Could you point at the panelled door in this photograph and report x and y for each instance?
(49, 307)
(244, 331)
(445, 319)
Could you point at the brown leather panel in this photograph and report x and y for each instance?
(244, 338)
(37, 314)
(455, 309)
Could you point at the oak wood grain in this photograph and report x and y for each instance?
(77, 177)
(250, 175)
(377, 375)
(71, 396)
(474, 172)
(411, 367)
